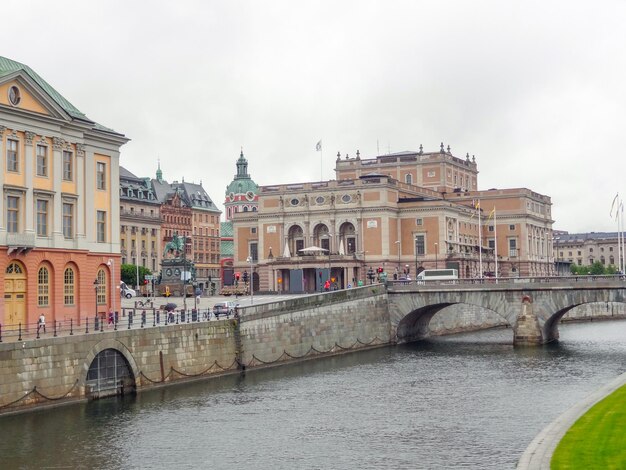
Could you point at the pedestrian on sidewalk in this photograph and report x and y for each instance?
(41, 323)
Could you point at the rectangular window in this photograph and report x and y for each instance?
(101, 226)
(42, 218)
(492, 243)
(419, 222)
(101, 181)
(68, 220)
(42, 160)
(420, 245)
(512, 247)
(68, 166)
(511, 227)
(491, 228)
(12, 156)
(13, 214)
(254, 252)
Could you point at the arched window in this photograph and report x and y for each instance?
(68, 287)
(101, 289)
(43, 287)
(408, 178)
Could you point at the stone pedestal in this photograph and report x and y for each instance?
(527, 330)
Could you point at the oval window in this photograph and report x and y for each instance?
(14, 95)
(346, 198)
(319, 199)
(295, 201)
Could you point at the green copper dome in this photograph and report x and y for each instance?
(242, 184)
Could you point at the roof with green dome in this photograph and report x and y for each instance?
(242, 182)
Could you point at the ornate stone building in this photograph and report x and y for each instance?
(374, 216)
(60, 220)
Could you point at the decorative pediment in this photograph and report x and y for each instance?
(20, 92)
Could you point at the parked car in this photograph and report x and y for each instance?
(126, 291)
(224, 308)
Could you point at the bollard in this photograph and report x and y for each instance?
(20, 332)
(101, 325)
(154, 317)
(95, 324)
(177, 318)
(143, 318)
(54, 324)
(71, 327)
(86, 325)
(130, 319)
(0, 333)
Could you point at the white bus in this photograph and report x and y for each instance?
(438, 275)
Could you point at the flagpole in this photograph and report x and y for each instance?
(321, 163)
(480, 244)
(495, 234)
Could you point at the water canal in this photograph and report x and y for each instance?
(464, 401)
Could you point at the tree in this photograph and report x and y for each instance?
(129, 274)
(596, 268)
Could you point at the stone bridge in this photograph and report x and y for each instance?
(532, 309)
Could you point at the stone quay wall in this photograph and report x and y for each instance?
(324, 323)
(46, 371)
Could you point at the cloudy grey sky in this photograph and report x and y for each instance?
(535, 89)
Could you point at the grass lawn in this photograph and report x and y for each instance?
(597, 439)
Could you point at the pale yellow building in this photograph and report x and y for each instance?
(60, 217)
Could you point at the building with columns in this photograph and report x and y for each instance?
(60, 218)
(403, 213)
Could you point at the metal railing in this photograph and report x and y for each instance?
(619, 280)
(130, 318)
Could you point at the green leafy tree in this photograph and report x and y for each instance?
(596, 268)
(129, 274)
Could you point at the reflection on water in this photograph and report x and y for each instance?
(468, 400)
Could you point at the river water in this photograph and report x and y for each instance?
(463, 401)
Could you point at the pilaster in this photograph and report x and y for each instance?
(29, 225)
(57, 175)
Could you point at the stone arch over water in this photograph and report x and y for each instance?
(109, 369)
(451, 318)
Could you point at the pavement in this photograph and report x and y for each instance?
(11, 333)
(538, 454)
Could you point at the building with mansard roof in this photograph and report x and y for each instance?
(402, 213)
(187, 210)
(60, 223)
(140, 222)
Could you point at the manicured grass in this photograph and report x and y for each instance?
(597, 439)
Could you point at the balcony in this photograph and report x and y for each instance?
(20, 242)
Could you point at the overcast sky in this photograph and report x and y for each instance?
(536, 90)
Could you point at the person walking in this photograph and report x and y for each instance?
(327, 285)
(41, 323)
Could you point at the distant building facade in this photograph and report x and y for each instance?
(140, 222)
(60, 218)
(584, 249)
(187, 210)
(376, 216)
(241, 197)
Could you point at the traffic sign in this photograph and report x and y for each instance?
(149, 277)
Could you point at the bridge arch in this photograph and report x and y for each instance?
(415, 324)
(109, 369)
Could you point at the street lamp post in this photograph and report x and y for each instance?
(110, 263)
(436, 254)
(250, 278)
(398, 248)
